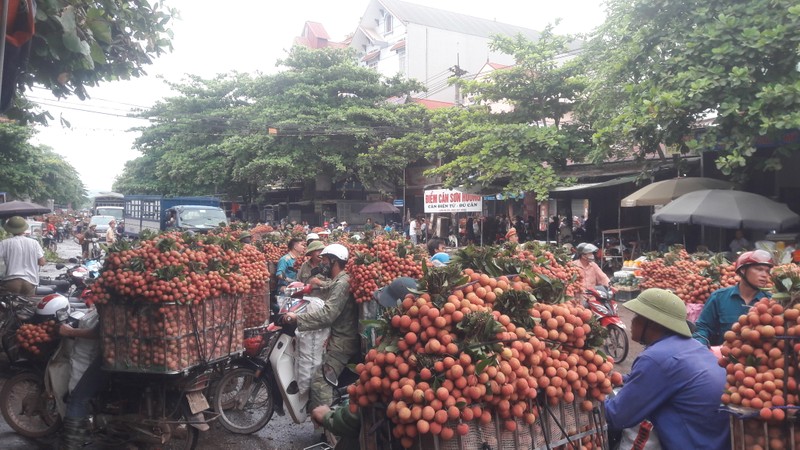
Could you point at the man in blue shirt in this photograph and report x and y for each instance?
(286, 271)
(724, 306)
(675, 382)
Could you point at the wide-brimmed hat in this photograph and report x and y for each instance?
(15, 225)
(314, 246)
(662, 307)
(511, 232)
(389, 295)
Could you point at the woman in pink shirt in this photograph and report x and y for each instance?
(592, 275)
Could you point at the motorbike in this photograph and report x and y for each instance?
(153, 410)
(73, 283)
(49, 241)
(265, 379)
(60, 234)
(601, 302)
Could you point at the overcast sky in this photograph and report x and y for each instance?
(246, 36)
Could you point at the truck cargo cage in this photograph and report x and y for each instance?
(749, 431)
(169, 337)
(562, 426)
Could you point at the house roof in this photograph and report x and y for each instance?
(452, 21)
(317, 29)
(432, 104)
(497, 66)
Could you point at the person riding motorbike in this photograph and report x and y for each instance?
(675, 382)
(340, 314)
(79, 356)
(592, 274)
(724, 306)
(90, 234)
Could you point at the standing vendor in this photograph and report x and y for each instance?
(724, 306)
(313, 265)
(285, 271)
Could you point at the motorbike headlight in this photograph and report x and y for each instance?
(601, 308)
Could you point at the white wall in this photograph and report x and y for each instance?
(431, 52)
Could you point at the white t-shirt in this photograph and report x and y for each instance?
(412, 228)
(21, 255)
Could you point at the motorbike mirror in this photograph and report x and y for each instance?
(60, 266)
(330, 375)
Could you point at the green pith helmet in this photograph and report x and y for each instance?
(662, 307)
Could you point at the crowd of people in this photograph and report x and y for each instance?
(683, 409)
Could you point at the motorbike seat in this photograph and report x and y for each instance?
(58, 285)
(44, 290)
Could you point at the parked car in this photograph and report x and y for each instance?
(102, 224)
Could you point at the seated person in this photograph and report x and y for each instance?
(592, 275)
(740, 243)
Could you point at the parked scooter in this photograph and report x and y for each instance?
(601, 301)
(152, 410)
(73, 283)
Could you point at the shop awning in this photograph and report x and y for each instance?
(589, 186)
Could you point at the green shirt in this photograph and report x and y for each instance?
(339, 313)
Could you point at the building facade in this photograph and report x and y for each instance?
(429, 45)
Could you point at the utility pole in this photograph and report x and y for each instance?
(458, 72)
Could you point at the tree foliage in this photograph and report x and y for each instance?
(255, 132)
(660, 67)
(35, 172)
(80, 43)
(515, 151)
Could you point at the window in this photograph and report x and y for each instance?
(387, 24)
(373, 63)
(401, 55)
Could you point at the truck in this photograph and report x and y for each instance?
(157, 213)
(107, 199)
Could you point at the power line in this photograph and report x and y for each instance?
(102, 99)
(74, 108)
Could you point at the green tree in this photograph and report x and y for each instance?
(519, 150)
(661, 67)
(34, 172)
(325, 110)
(184, 151)
(242, 134)
(80, 43)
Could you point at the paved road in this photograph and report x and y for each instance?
(281, 433)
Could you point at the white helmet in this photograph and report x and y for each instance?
(338, 251)
(53, 306)
(310, 236)
(585, 247)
